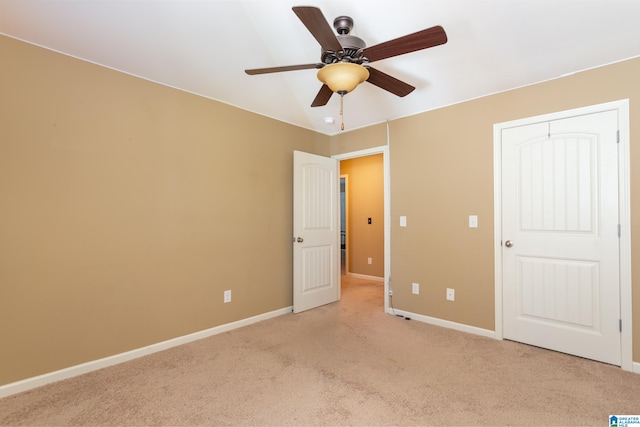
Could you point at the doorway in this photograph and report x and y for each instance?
(366, 225)
(362, 217)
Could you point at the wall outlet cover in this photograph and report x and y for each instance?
(451, 294)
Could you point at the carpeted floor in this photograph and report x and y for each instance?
(346, 363)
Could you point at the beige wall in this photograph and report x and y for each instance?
(360, 139)
(128, 208)
(442, 172)
(365, 200)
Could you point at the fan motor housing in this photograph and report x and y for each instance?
(351, 45)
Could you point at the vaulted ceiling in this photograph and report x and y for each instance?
(203, 47)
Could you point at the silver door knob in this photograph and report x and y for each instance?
(508, 243)
(300, 240)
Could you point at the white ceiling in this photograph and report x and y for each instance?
(204, 46)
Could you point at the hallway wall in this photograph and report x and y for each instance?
(365, 199)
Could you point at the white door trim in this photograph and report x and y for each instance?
(384, 150)
(624, 197)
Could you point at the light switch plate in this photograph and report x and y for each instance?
(473, 221)
(403, 221)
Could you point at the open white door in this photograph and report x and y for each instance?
(316, 256)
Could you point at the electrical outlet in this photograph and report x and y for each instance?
(227, 296)
(369, 261)
(451, 294)
(415, 288)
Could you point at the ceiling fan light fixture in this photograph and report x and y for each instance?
(343, 77)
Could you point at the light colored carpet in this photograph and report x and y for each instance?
(346, 363)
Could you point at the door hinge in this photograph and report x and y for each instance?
(619, 230)
(618, 136)
(620, 323)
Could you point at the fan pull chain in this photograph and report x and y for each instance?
(341, 112)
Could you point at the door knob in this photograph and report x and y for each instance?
(508, 243)
(300, 240)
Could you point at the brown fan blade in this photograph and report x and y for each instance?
(314, 20)
(424, 39)
(285, 68)
(322, 97)
(388, 83)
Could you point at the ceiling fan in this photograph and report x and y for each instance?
(344, 61)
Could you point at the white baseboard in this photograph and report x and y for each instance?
(464, 328)
(366, 277)
(94, 365)
(444, 323)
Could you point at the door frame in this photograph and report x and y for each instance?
(624, 198)
(384, 150)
